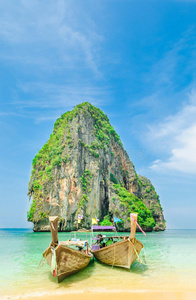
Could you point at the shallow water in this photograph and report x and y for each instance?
(170, 258)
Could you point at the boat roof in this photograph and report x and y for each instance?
(98, 227)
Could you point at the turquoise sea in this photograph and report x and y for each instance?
(169, 261)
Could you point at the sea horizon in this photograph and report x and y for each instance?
(117, 231)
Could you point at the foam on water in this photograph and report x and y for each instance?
(170, 257)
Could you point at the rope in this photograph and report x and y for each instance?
(135, 251)
(92, 235)
(41, 263)
(144, 256)
(137, 254)
(115, 247)
(53, 226)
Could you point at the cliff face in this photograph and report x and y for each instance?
(84, 169)
(150, 198)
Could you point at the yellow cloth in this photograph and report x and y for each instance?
(94, 221)
(79, 221)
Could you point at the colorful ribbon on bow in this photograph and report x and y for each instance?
(53, 266)
(133, 220)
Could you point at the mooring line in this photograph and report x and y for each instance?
(41, 263)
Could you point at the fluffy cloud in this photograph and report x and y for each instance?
(177, 135)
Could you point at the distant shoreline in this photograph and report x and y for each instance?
(23, 228)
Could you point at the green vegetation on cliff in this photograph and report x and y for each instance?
(132, 204)
(85, 179)
(106, 221)
(150, 197)
(113, 179)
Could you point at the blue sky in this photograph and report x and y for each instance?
(136, 60)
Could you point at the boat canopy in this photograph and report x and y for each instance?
(97, 227)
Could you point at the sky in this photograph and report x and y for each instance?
(135, 60)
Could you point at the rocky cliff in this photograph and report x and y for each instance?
(84, 169)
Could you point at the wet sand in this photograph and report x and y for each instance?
(114, 295)
(122, 295)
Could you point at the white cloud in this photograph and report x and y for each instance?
(49, 34)
(61, 96)
(177, 136)
(46, 102)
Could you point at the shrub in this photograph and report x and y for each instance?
(57, 161)
(48, 170)
(36, 185)
(42, 215)
(134, 204)
(85, 179)
(94, 153)
(106, 221)
(35, 160)
(113, 179)
(31, 212)
(83, 200)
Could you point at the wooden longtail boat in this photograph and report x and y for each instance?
(119, 254)
(63, 259)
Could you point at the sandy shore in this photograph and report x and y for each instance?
(119, 296)
(131, 295)
(114, 295)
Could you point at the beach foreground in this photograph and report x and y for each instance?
(166, 271)
(114, 295)
(143, 295)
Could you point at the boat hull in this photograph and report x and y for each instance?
(120, 254)
(69, 261)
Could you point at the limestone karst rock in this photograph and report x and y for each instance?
(84, 169)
